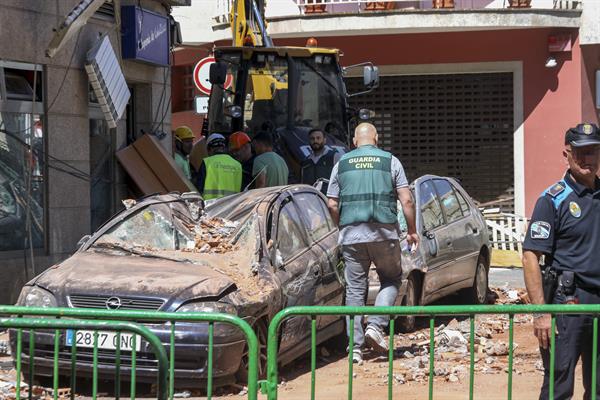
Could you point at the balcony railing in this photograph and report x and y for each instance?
(290, 8)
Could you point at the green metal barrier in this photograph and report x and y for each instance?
(425, 311)
(117, 317)
(34, 324)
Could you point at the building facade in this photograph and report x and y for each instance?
(480, 90)
(59, 178)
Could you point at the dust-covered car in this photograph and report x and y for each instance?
(250, 254)
(454, 253)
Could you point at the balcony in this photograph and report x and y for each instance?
(301, 18)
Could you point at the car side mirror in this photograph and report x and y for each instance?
(217, 73)
(83, 240)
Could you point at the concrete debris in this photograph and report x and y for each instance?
(183, 395)
(212, 235)
(539, 365)
(4, 348)
(452, 378)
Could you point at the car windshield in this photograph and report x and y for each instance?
(164, 226)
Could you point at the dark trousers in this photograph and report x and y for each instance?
(574, 339)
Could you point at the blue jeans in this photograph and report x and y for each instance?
(358, 258)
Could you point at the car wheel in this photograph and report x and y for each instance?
(261, 334)
(478, 293)
(413, 290)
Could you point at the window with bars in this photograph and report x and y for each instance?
(458, 125)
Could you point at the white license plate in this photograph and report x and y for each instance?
(106, 340)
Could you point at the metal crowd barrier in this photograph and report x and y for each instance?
(425, 311)
(20, 318)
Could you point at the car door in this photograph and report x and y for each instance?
(437, 240)
(297, 268)
(324, 246)
(461, 231)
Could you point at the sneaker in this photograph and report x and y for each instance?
(357, 356)
(375, 338)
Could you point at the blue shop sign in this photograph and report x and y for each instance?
(145, 35)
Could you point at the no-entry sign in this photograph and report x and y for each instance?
(202, 74)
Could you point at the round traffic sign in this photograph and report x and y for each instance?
(202, 74)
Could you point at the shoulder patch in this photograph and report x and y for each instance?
(556, 189)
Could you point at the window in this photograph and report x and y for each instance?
(317, 216)
(430, 207)
(448, 199)
(22, 169)
(464, 206)
(290, 239)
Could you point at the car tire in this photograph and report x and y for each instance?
(261, 330)
(477, 294)
(408, 323)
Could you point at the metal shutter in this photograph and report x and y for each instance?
(458, 125)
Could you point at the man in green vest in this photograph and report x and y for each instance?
(184, 140)
(363, 191)
(220, 174)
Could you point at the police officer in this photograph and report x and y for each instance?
(319, 163)
(363, 191)
(219, 175)
(565, 228)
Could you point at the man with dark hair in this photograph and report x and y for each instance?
(565, 228)
(219, 175)
(319, 163)
(269, 168)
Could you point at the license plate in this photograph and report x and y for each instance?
(106, 340)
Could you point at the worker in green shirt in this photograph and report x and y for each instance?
(269, 169)
(184, 140)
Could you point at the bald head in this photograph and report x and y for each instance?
(365, 134)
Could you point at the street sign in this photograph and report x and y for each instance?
(201, 104)
(202, 73)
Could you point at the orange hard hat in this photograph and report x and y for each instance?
(237, 140)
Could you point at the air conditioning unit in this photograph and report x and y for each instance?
(107, 81)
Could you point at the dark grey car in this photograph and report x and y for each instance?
(281, 250)
(454, 253)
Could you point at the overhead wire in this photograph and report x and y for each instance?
(62, 84)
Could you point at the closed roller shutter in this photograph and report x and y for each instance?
(458, 125)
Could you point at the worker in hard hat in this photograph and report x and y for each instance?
(184, 140)
(219, 175)
(240, 148)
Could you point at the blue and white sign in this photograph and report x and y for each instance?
(145, 35)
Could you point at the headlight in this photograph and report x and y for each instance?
(208, 307)
(33, 296)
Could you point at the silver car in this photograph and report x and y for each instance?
(454, 253)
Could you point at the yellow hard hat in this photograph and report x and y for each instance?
(183, 133)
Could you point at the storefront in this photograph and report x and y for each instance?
(59, 179)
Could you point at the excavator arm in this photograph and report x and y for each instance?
(248, 23)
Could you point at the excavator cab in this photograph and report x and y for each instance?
(285, 90)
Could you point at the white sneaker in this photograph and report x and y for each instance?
(375, 338)
(357, 356)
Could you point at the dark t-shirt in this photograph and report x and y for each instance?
(565, 226)
(247, 172)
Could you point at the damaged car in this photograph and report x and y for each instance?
(250, 254)
(454, 252)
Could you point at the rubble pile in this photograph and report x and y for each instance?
(452, 347)
(212, 235)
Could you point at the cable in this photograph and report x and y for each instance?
(77, 173)
(165, 112)
(66, 72)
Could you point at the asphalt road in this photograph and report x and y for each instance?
(513, 277)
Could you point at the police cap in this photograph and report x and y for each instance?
(583, 135)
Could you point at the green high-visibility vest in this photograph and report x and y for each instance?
(366, 190)
(223, 176)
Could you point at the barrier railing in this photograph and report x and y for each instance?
(119, 326)
(163, 337)
(425, 311)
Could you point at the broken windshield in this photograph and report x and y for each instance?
(162, 226)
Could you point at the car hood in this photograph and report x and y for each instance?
(99, 273)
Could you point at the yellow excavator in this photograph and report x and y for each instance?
(288, 91)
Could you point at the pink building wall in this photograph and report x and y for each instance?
(553, 98)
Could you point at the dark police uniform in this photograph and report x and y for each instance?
(565, 227)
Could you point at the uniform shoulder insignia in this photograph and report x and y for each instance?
(556, 189)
